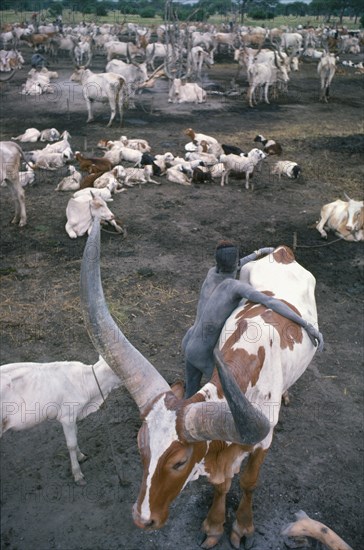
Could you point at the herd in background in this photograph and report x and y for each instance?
(125, 163)
(265, 56)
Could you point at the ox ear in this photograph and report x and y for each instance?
(236, 420)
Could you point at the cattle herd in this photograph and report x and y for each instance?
(232, 417)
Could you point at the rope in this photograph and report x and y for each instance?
(120, 478)
(295, 245)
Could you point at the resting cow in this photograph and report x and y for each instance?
(186, 92)
(233, 415)
(81, 211)
(345, 218)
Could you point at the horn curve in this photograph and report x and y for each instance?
(139, 376)
(237, 420)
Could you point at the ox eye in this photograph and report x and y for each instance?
(179, 465)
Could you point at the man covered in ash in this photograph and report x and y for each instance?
(220, 294)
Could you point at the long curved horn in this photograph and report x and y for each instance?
(139, 376)
(8, 76)
(237, 420)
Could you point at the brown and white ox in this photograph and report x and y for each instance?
(345, 218)
(230, 418)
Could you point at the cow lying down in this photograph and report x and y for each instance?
(82, 210)
(344, 218)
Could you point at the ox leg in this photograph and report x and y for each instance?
(266, 91)
(320, 226)
(243, 525)
(76, 456)
(89, 110)
(19, 200)
(213, 526)
(113, 110)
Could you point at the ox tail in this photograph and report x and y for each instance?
(30, 164)
(138, 375)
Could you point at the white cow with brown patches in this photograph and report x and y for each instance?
(345, 218)
(233, 415)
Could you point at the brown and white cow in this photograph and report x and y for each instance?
(232, 416)
(345, 218)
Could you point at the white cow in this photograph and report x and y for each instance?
(345, 218)
(66, 391)
(326, 70)
(11, 156)
(197, 57)
(103, 87)
(186, 92)
(122, 49)
(81, 212)
(39, 82)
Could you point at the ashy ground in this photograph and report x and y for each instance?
(151, 281)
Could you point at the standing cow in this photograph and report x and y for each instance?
(233, 415)
(11, 156)
(103, 87)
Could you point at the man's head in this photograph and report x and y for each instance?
(226, 256)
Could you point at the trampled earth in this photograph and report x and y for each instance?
(152, 280)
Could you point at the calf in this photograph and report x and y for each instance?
(71, 182)
(241, 164)
(270, 146)
(345, 218)
(50, 161)
(287, 168)
(66, 391)
(93, 164)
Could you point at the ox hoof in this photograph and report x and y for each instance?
(82, 458)
(248, 541)
(209, 541)
(80, 482)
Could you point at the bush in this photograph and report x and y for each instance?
(362, 21)
(147, 12)
(261, 14)
(101, 11)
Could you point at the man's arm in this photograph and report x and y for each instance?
(280, 307)
(255, 255)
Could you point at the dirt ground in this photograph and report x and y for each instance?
(151, 281)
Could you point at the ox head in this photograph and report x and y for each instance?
(173, 438)
(355, 215)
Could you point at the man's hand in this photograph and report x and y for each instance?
(315, 336)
